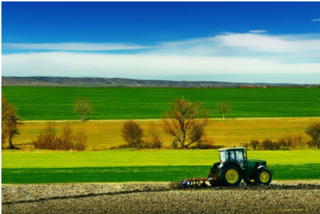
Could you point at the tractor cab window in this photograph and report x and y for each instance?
(240, 158)
(223, 156)
(232, 156)
(239, 155)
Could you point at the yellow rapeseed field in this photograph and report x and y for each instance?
(105, 134)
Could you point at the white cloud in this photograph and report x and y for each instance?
(229, 53)
(74, 46)
(257, 31)
(315, 20)
(288, 48)
(254, 41)
(108, 65)
(285, 48)
(268, 43)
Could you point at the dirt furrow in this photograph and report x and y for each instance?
(280, 197)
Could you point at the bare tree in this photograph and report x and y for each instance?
(314, 131)
(154, 137)
(9, 122)
(4, 132)
(183, 124)
(223, 108)
(65, 139)
(81, 140)
(299, 141)
(254, 144)
(82, 107)
(132, 133)
(267, 144)
(48, 139)
(197, 132)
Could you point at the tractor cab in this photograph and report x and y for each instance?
(236, 155)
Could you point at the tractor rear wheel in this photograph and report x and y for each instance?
(230, 176)
(263, 176)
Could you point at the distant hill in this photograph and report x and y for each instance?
(121, 82)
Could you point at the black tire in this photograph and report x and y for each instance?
(230, 176)
(263, 177)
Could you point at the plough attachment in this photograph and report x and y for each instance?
(196, 182)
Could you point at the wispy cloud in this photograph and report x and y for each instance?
(257, 31)
(270, 43)
(112, 65)
(285, 48)
(315, 20)
(74, 46)
(297, 48)
(228, 53)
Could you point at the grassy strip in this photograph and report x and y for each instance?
(144, 173)
(102, 174)
(134, 158)
(295, 172)
(105, 134)
(54, 103)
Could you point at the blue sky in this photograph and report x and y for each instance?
(216, 41)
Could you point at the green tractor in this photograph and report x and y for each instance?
(235, 166)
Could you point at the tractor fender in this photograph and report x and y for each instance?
(232, 163)
(257, 169)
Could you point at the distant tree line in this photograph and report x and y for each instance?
(289, 142)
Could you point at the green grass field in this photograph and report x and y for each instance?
(140, 174)
(148, 165)
(54, 103)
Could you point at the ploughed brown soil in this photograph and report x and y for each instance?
(280, 197)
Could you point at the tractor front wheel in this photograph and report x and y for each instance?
(263, 176)
(230, 176)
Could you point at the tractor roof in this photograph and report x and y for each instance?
(233, 148)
